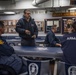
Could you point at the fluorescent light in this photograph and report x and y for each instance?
(9, 12)
(72, 8)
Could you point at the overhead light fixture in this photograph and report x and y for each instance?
(72, 8)
(9, 12)
(36, 2)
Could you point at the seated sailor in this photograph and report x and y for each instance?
(8, 56)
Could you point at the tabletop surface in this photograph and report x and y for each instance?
(39, 51)
(19, 40)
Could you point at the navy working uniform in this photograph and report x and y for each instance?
(69, 48)
(51, 39)
(8, 56)
(23, 25)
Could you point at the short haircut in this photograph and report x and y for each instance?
(74, 25)
(54, 26)
(1, 24)
(25, 11)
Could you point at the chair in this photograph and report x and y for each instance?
(62, 68)
(37, 67)
(6, 70)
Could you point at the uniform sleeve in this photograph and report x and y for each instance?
(5, 49)
(51, 39)
(35, 30)
(63, 41)
(19, 28)
(57, 40)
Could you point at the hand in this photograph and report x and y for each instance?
(27, 32)
(34, 36)
(57, 44)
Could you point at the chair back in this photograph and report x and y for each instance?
(37, 67)
(63, 68)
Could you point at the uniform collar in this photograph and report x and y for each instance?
(25, 17)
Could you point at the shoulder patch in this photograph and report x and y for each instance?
(1, 42)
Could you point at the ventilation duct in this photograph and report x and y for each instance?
(36, 2)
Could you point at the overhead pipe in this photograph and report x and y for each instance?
(36, 2)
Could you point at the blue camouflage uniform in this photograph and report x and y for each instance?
(8, 56)
(51, 39)
(69, 48)
(23, 25)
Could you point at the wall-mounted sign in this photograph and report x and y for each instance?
(62, 14)
(50, 22)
